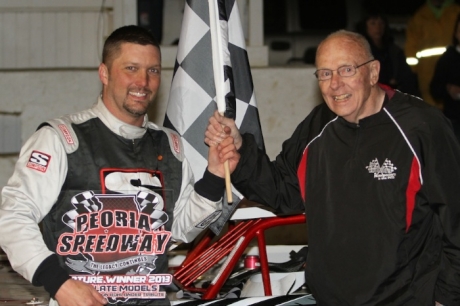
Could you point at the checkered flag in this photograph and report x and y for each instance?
(192, 99)
(84, 203)
(152, 204)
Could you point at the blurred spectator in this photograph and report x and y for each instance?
(394, 70)
(445, 85)
(150, 17)
(430, 27)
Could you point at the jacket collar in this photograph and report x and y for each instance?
(117, 126)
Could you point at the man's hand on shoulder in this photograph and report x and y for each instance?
(77, 293)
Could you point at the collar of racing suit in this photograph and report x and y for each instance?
(117, 126)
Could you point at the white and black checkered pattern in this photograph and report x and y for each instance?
(192, 98)
(84, 203)
(150, 203)
(284, 300)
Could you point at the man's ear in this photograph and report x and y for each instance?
(103, 74)
(374, 72)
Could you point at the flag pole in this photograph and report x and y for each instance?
(218, 68)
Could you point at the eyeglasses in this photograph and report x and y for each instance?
(344, 71)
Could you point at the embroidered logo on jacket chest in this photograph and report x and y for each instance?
(384, 172)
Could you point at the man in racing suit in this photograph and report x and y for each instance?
(113, 190)
(377, 172)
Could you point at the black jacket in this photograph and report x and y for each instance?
(447, 71)
(393, 68)
(381, 198)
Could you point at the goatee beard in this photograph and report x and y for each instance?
(137, 113)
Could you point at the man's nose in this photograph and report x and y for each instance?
(336, 79)
(142, 78)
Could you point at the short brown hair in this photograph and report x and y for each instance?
(126, 34)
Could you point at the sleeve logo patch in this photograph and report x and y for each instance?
(39, 161)
(175, 141)
(209, 219)
(66, 133)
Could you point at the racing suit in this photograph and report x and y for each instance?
(381, 198)
(112, 198)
